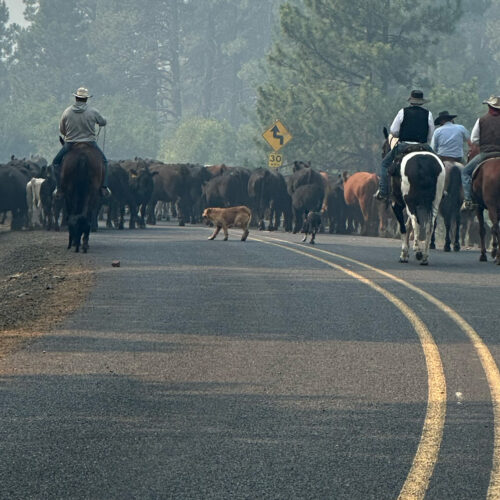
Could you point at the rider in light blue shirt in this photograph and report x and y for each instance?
(448, 140)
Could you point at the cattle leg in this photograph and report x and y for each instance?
(226, 234)
(109, 224)
(245, 234)
(215, 233)
(122, 217)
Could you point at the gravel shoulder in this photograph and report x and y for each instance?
(41, 282)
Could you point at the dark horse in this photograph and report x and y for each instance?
(417, 185)
(450, 205)
(486, 193)
(82, 172)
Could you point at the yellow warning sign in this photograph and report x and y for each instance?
(277, 135)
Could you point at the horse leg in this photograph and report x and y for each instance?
(432, 246)
(447, 239)
(456, 243)
(494, 213)
(428, 231)
(405, 240)
(482, 233)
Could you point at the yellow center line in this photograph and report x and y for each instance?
(425, 459)
(488, 363)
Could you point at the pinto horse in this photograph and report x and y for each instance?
(82, 173)
(486, 192)
(417, 186)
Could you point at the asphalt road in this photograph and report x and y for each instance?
(266, 369)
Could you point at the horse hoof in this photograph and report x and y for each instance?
(456, 248)
(419, 256)
(447, 249)
(483, 258)
(432, 246)
(424, 263)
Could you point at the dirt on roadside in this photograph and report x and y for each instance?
(41, 282)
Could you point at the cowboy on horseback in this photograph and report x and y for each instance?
(449, 138)
(412, 125)
(486, 135)
(78, 125)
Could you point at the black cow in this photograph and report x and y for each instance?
(198, 177)
(13, 195)
(261, 188)
(305, 200)
(171, 184)
(229, 189)
(141, 186)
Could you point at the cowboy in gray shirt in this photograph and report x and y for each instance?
(78, 125)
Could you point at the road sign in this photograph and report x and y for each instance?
(277, 135)
(275, 160)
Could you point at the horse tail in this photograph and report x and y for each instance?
(454, 180)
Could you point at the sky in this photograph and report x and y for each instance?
(16, 9)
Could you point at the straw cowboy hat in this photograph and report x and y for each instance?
(82, 93)
(444, 116)
(417, 97)
(493, 101)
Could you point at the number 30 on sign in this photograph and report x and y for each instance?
(275, 160)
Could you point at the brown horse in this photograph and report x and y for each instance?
(82, 173)
(486, 192)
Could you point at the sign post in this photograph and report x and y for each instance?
(276, 136)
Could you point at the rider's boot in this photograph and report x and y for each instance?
(105, 192)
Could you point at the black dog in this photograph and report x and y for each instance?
(311, 226)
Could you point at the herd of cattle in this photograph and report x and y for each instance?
(151, 190)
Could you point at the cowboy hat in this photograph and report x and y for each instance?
(417, 97)
(82, 93)
(444, 116)
(493, 101)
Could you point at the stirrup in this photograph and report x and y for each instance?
(379, 196)
(467, 205)
(105, 192)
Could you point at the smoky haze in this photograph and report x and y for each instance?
(197, 81)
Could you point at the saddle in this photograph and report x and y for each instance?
(476, 170)
(395, 167)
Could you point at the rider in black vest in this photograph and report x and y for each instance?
(412, 125)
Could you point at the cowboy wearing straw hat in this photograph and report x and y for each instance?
(486, 134)
(448, 139)
(412, 125)
(78, 125)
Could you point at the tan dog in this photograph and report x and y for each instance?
(223, 218)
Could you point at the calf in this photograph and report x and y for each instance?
(311, 226)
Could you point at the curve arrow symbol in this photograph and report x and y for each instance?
(275, 130)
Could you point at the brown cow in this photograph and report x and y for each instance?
(359, 189)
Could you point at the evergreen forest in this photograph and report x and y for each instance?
(199, 81)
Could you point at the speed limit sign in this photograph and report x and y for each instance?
(275, 160)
